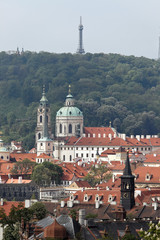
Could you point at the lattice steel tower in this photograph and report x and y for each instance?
(80, 49)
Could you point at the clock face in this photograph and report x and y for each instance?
(125, 195)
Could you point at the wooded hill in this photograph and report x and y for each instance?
(107, 87)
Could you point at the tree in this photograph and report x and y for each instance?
(46, 173)
(41, 176)
(98, 174)
(39, 210)
(11, 232)
(153, 233)
(26, 166)
(56, 171)
(13, 220)
(73, 213)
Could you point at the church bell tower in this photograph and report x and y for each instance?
(41, 111)
(127, 186)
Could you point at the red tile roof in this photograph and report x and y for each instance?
(16, 181)
(71, 170)
(104, 194)
(22, 156)
(82, 184)
(98, 130)
(152, 158)
(8, 205)
(142, 171)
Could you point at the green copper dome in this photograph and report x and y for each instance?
(69, 111)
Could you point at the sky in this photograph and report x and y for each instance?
(127, 27)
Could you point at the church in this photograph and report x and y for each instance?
(73, 141)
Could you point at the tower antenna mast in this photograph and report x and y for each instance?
(80, 49)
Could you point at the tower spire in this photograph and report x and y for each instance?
(127, 186)
(80, 49)
(127, 169)
(69, 89)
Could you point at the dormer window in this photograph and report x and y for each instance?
(72, 197)
(97, 197)
(110, 198)
(86, 198)
(148, 177)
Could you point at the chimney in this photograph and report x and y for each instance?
(124, 136)
(155, 205)
(97, 204)
(27, 203)
(82, 214)
(138, 137)
(110, 136)
(62, 204)
(113, 178)
(148, 136)
(69, 204)
(20, 179)
(2, 202)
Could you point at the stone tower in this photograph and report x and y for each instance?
(127, 186)
(69, 119)
(80, 49)
(41, 111)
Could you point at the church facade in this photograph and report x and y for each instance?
(72, 141)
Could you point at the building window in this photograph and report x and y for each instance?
(92, 148)
(63, 157)
(142, 149)
(86, 148)
(70, 128)
(41, 144)
(60, 128)
(1, 157)
(70, 158)
(92, 155)
(81, 154)
(40, 119)
(48, 144)
(76, 154)
(39, 135)
(87, 155)
(76, 148)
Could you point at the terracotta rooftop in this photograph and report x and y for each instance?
(22, 156)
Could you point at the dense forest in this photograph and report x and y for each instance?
(107, 87)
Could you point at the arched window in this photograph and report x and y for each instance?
(70, 128)
(60, 128)
(39, 135)
(40, 119)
